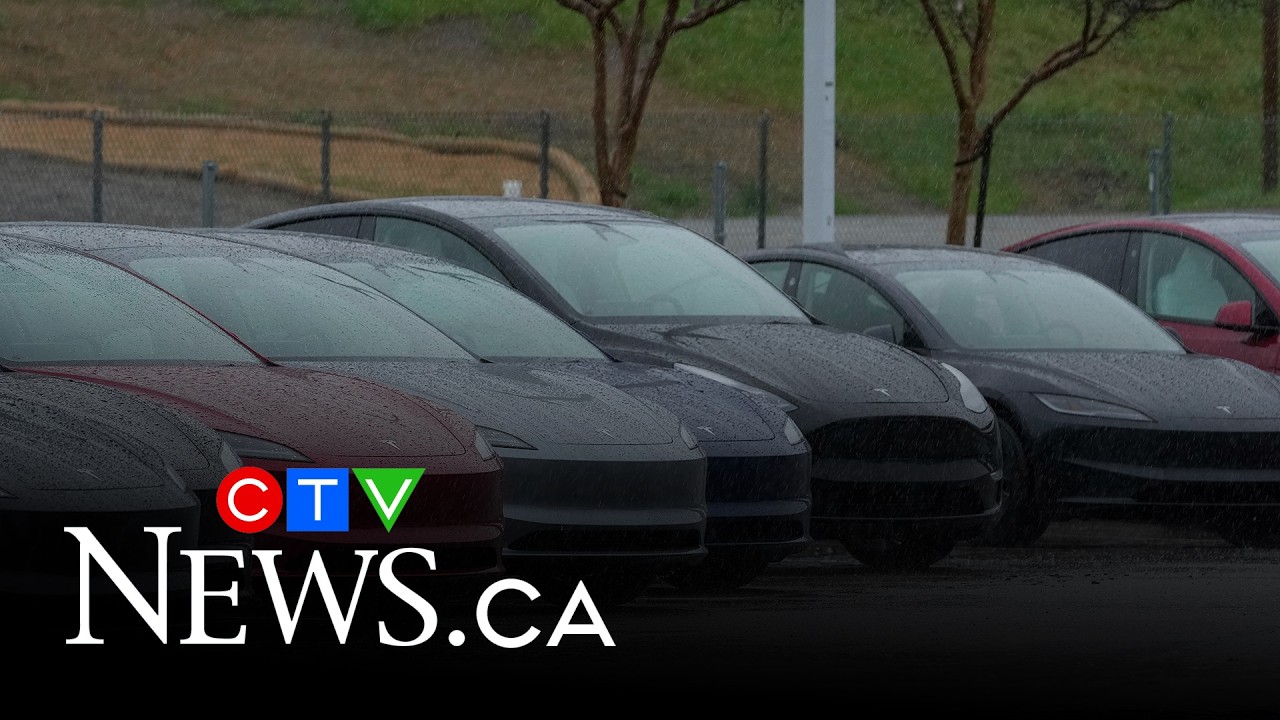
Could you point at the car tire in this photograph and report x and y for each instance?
(1025, 515)
(896, 554)
(720, 571)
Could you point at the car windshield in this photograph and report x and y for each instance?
(1027, 308)
(1266, 253)
(488, 318)
(292, 309)
(57, 306)
(631, 271)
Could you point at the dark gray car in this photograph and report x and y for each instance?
(906, 457)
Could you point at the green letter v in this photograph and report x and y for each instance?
(395, 484)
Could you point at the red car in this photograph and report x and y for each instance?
(1214, 279)
(65, 314)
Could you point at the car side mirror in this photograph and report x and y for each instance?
(887, 333)
(1236, 315)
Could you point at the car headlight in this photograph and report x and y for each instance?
(176, 478)
(1070, 405)
(230, 460)
(970, 395)
(772, 399)
(251, 447)
(792, 432)
(497, 439)
(482, 447)
(690, 441)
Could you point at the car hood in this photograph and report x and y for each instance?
(1161, 385)
(713, 411)
(184, 444)
(47, 446)
(539, 406)
(811, 363)
(321, 415)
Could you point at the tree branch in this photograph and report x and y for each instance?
(701, 13)
(948, 53)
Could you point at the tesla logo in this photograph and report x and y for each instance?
(1225, 408)
(882, 391)
(706, 429)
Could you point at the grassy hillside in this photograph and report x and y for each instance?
(1079, 141)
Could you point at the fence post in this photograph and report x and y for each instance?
(544, 156)
(1166, 172)
(208, 201)
(1153, 180)
(718, 201)
(762, 188)
(326, 147)
(98, 119)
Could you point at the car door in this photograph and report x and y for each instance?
(1183, 283)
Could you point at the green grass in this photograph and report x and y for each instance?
(1080, 140)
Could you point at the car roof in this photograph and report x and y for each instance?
(923, 256)
(476, 207)
(90, 236)
(1224, 225)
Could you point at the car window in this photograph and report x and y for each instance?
(436, 242)
(838, 298)
(775, 271)
(1032, 308)
(1098, 255)
(1179, 279)
(59, 307)
(633, 271)
(344, 226)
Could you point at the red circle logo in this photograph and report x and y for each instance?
(249, 499)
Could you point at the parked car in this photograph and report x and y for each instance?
(600, 485)
(1212, 278)
(1103, 413)
(757, 459)
(68, 315)
(905, 459)
(70, 448)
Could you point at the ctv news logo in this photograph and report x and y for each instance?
(315, 500)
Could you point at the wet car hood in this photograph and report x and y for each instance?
(712, 410)
(812, 363)
(539, 406)
(1161, 385)
(318, 414)
(48, 446)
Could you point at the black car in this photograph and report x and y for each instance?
(905, 458)
(81, 455)
(1103, 411)
(599, 485)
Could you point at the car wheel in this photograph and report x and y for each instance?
(720, 571)
(892, 554)
(1025, 515)
(1251, 533)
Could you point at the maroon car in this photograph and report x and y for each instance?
(1214, 278)
(65, 314)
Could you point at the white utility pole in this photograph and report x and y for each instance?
(819, 120)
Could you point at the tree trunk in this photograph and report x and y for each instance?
(968, 141)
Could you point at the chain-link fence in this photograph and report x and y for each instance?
(736, 178)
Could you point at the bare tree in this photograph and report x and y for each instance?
(965, 30)
(640, 50)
